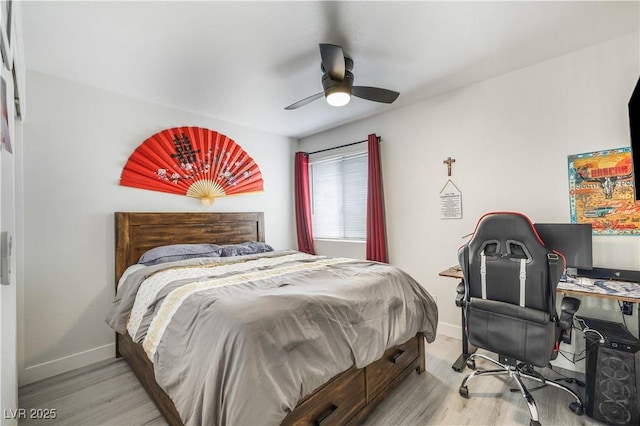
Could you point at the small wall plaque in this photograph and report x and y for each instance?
(450, 201)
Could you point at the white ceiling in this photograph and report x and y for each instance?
(243, 62)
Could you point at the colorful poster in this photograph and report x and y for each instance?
(601, 192)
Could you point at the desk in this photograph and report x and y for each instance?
(606, 289)
(617, 290)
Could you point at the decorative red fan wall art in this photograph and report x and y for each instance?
(192, 161)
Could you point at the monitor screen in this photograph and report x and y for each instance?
(573, 240)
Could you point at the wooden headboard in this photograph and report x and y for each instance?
(139, 232)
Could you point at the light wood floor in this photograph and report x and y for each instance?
(109, 394)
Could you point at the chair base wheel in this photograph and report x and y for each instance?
(577, 408)
(471, 364)
(534, 423)
(464, 392)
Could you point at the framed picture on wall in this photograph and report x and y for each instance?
(5, 34)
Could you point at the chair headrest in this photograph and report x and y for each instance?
(506, 225)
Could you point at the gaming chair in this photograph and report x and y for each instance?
(509, 297)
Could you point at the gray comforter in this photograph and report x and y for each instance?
(241, 340)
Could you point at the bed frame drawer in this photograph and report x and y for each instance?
(333, 404)
(395, 360)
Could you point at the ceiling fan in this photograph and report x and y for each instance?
(337, 81)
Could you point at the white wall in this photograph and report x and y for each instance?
(76, 141)
(510, 136)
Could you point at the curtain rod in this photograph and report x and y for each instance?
(342, 146)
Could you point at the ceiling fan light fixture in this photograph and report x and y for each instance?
(337, 81)
(338, 96)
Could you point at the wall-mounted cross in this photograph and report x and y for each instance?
(449, 161)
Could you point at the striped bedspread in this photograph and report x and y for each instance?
(241, 340)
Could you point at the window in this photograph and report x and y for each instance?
(339, 197)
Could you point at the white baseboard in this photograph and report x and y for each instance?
(33, 373)
(450, 330)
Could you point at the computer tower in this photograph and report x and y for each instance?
(612, 373)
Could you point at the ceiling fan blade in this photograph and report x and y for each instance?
(333, 60)
(375, 94)
(305, 101)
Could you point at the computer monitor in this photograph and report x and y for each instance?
(573, 240)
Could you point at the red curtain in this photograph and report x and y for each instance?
(376, 236)
(303, 204)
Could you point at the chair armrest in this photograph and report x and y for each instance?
(460, 290)
(568, 307)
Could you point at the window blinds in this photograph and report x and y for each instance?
(339, 197)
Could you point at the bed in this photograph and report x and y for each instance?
(345, 398)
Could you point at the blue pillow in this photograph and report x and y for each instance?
(249, 247)
(175, 252)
